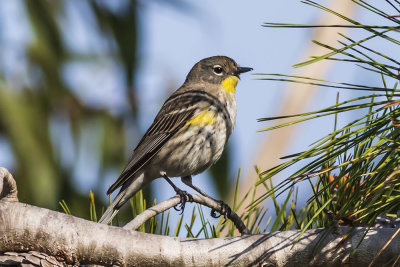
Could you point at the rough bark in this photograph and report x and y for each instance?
(34, 232)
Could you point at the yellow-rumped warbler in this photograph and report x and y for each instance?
(188, 134)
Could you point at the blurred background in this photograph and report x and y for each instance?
(80, 82)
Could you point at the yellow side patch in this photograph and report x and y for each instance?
(204, 118)
(229, 84)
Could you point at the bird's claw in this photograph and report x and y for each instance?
(184, 197)
(225, 210)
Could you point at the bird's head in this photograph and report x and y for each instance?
(217, 70)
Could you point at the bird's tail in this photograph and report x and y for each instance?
(129, 189)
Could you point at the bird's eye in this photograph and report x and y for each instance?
(218, 69)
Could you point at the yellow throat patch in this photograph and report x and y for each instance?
(229, 84)
(204, 118)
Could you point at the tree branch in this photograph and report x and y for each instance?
(172, 202)
(76, 241)
(71, 240)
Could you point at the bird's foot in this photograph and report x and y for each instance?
(225, 210)
(185, 197)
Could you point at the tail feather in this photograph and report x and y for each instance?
(110, 212)
(129, 189)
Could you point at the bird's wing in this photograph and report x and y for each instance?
(169, 120)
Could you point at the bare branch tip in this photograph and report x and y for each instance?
(8, 186)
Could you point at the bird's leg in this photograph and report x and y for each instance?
(226, 210)
(184, 196)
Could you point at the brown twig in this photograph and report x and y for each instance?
(172, 202)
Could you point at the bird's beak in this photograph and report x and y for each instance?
(240, 70)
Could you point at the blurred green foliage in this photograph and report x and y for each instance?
(46, 104)
(28, 114)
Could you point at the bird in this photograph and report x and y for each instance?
(188, 134)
